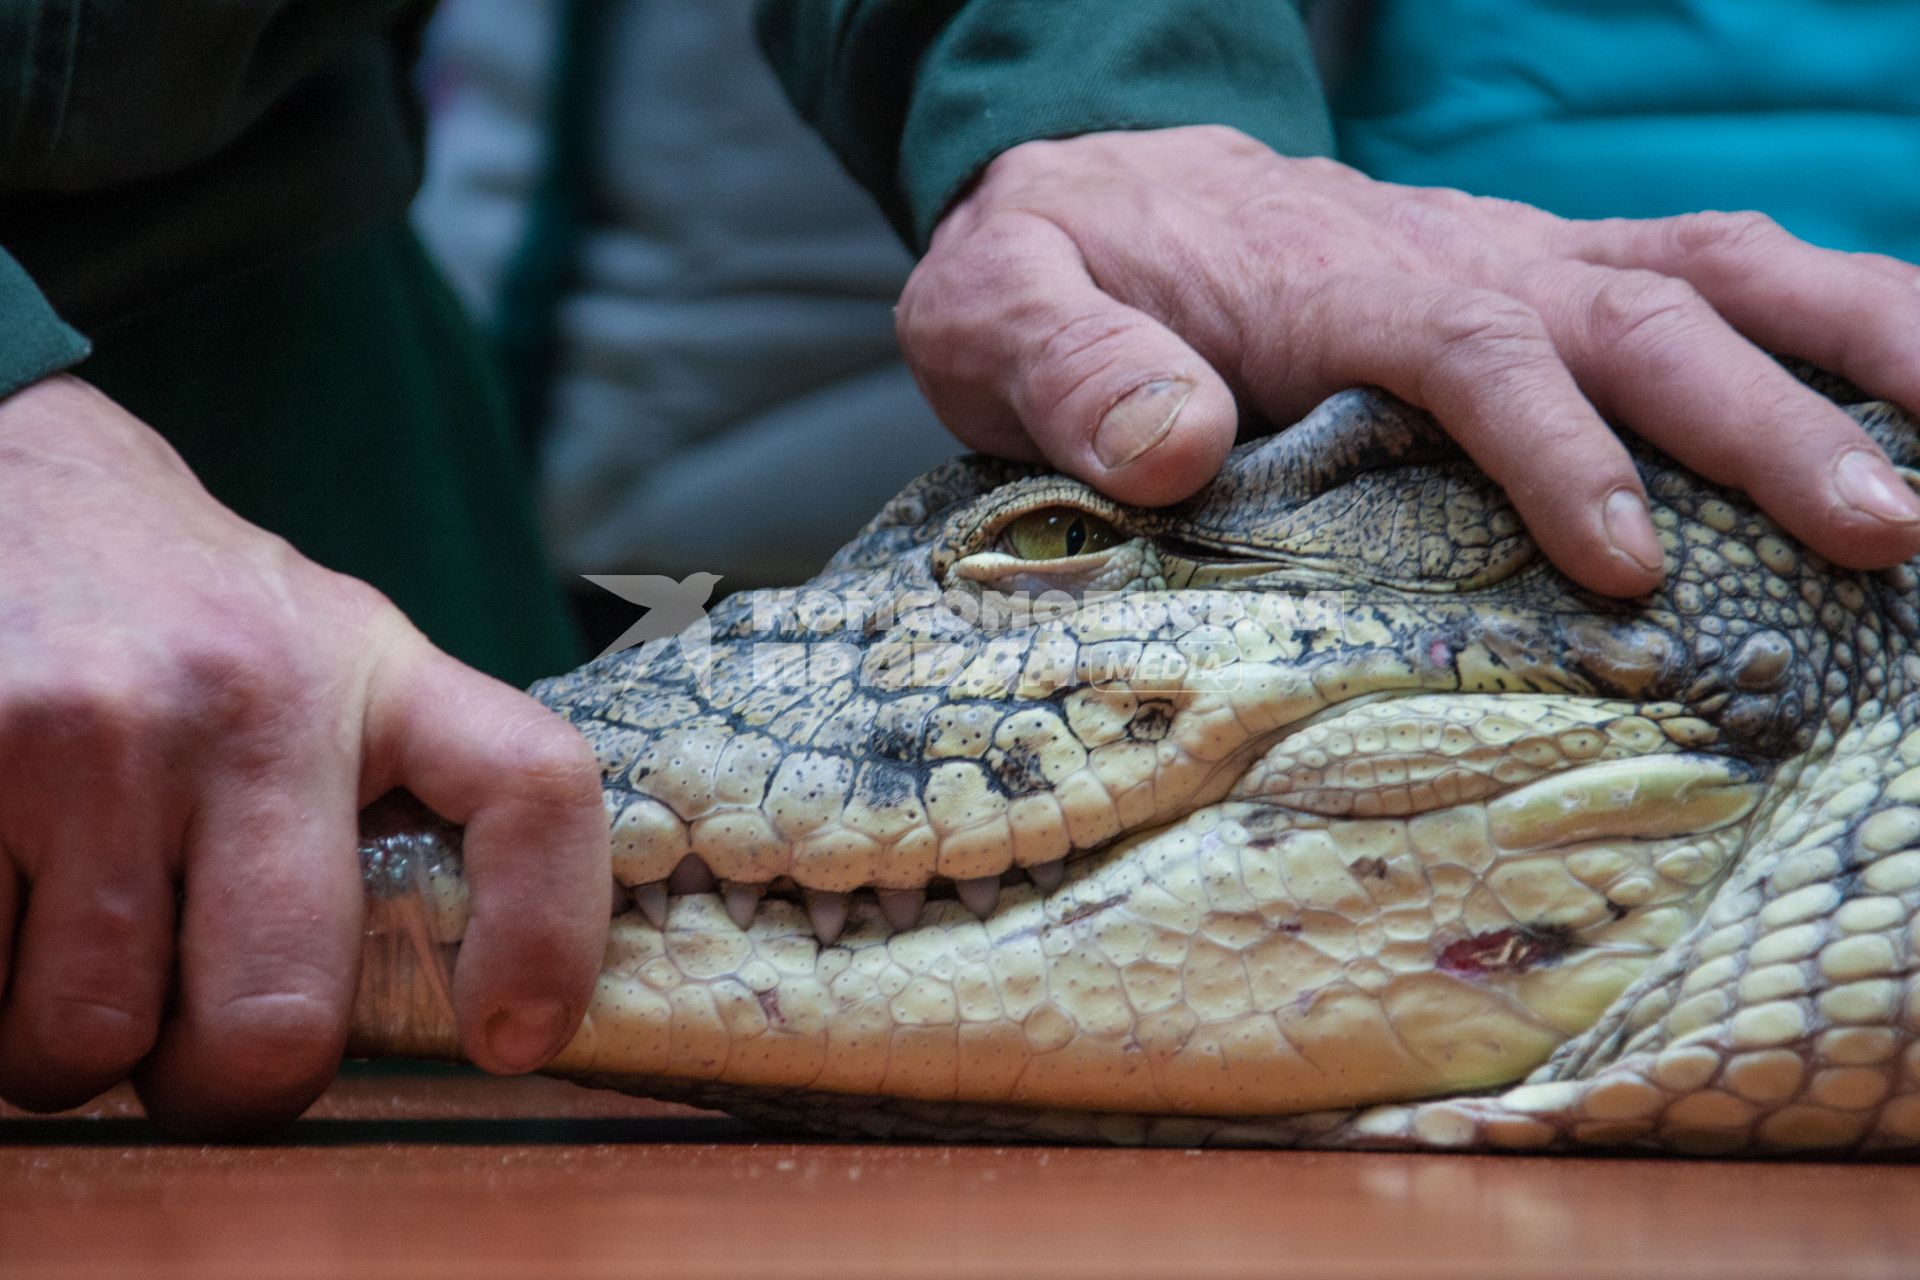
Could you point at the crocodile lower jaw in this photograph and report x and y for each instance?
(1338, 960)
(1381, 755)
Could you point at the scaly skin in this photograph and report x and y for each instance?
(1318, 810)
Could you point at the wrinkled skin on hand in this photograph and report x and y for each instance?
(191, 717)
(1113, 303)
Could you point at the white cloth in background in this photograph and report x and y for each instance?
(728, 395)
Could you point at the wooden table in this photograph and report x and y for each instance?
(459, 1176)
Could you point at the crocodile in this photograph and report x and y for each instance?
(1317, 810)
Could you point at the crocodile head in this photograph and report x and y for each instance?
(1317, 809)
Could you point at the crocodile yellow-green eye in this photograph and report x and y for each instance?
(1053, 533)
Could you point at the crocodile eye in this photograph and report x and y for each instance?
(1054, 533)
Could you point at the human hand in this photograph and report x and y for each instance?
(1101, 302)
(191, 717)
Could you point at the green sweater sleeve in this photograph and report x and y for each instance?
(917, 96)
(34, 342)
(147, 149)
(112, 91)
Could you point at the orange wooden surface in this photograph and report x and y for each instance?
(461, 1176)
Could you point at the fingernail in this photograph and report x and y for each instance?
(1868, 484)
(522, 1037)
(1630, 529)
(1140, 421)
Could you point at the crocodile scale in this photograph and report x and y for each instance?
(1317, 810)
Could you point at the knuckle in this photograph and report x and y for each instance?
(994, 250)
(353, 601)
(910, 319)
(1732, 238)
(1472, 319)
(260, 649)
(1906, 272)
(89, 1012)
(1441, 200)
(1074, 359)
(553, 762)
(934, 321)
(1431, 219)
(1225, 135)
(109, 704)
(254, 704)
(1034, 156)
(1634, 306)
(264, 668)
(1591, 460)
(1323, 167)
(246, 663)
(1085, 338)
(1480, 335)
(93, 1036)
(548, 940)
(966, 292)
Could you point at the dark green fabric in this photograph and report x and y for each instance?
(198, 184)
(214, 190)
(147, 148)
(918, 95)
(341, 399)
(542, 268)
(37, 342)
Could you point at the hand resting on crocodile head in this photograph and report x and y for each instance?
(1318, 809)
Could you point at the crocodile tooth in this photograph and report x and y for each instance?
(980, 895)
(901, 907)
(691, 876)
(1048, 875)
(742, 901)
(827, 912)
(652, 901)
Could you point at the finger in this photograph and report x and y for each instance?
(9, 917)
(95, 954)
(268, 944)
(1655, 355)
(527, 789)
(91, 877)
(1856, 315)
(1013, 341)
(1484, 366)
(1898, 270)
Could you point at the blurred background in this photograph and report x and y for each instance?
(692, 303)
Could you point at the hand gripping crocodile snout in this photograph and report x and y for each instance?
(1317, 810)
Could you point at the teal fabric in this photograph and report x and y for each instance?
(1808, 110)
(38, 342)
(918, 95)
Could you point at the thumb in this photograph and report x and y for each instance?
(1021, 353)
(526, 787)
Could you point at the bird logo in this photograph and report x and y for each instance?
(673, 609)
